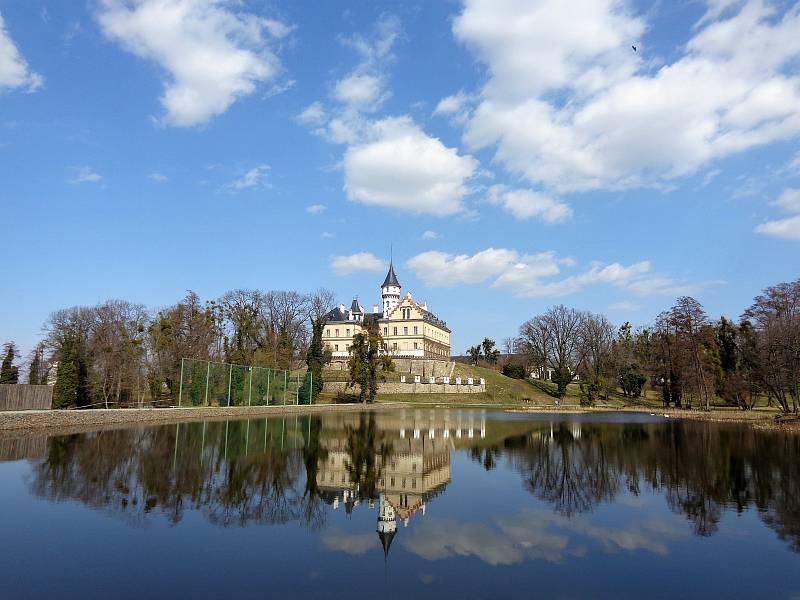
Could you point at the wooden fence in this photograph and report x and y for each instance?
(21, 448)
(25, 397)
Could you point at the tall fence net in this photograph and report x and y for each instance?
(207, 383)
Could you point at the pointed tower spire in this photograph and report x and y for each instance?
(391, 278)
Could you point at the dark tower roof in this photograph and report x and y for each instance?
(386, 542)
(355, 308)
(391, 278)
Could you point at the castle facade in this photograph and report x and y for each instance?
(409, 329)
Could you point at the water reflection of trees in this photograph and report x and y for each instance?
(701, 468)
(235, 473)
(367, 453)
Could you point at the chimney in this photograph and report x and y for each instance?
(341, 308)
(375, 309)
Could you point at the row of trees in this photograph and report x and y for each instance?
(119, 353)
(692, 359)
(486, 350)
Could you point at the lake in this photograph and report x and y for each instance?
(404, 503)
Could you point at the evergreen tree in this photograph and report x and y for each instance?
(72, 377)
(37, 374)
(489, 352)
(65, 391)
(366, 359)
(474, 354)
(8, 372)
(317, 356)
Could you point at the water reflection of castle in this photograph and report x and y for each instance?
(416, 471)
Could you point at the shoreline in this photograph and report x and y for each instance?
(49, 421)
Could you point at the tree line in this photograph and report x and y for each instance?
(119, 353)
(692, 359)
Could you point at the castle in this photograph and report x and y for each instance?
(409, 329)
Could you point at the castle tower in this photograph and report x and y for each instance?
(390, 291)
(387, 525)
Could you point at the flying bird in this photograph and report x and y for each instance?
(634, 48)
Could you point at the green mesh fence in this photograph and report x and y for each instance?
(207, 383)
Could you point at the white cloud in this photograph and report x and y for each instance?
(388, 162)
(361, 91)
(539, 534)
(789, 200)
(526, 204)
(14, 70)
(400, 166)
(327, 235)
(788, 228)
(360, 261)
(85, 175)
(430, 235)
(358, 90)
(313, 114)
(254, 178)
(439, 269)
(316, 209)
(534, 275)
(624, 306)
(340, 541)
(158, 177)
(569, 106)
(213, 52)
(451, 104)
(456, 107)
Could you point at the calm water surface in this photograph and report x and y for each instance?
(404, 504)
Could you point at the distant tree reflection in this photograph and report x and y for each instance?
(268, 471)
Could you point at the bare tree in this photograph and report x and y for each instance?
(775, 316)
(696, 337)
(554, 339)
(596, 338)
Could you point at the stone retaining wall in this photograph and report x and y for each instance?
(35, 419)
(413, 366)
(390, 387)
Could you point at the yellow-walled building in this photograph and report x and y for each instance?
(409, 329)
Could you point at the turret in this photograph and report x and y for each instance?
(390, 291)
(387, 525)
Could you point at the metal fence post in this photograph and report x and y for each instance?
(250, 391)
(268, 370)
(180, 388)
(297, 391)
(311, 389)
(230, 379)
(208, 376)
(285, 385)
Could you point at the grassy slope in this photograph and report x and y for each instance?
(504, 391)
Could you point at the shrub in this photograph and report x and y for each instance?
(514, 371)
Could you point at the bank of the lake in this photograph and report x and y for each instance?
(58, 419)
(99, 418)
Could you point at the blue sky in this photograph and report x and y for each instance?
(516, 154)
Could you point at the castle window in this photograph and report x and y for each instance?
(347, 332)
(337, 347)
(395, 330)
(415, 345)
(386, 331)
(415, 330)
(337, 333)
(394, 346)
(405, 330)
